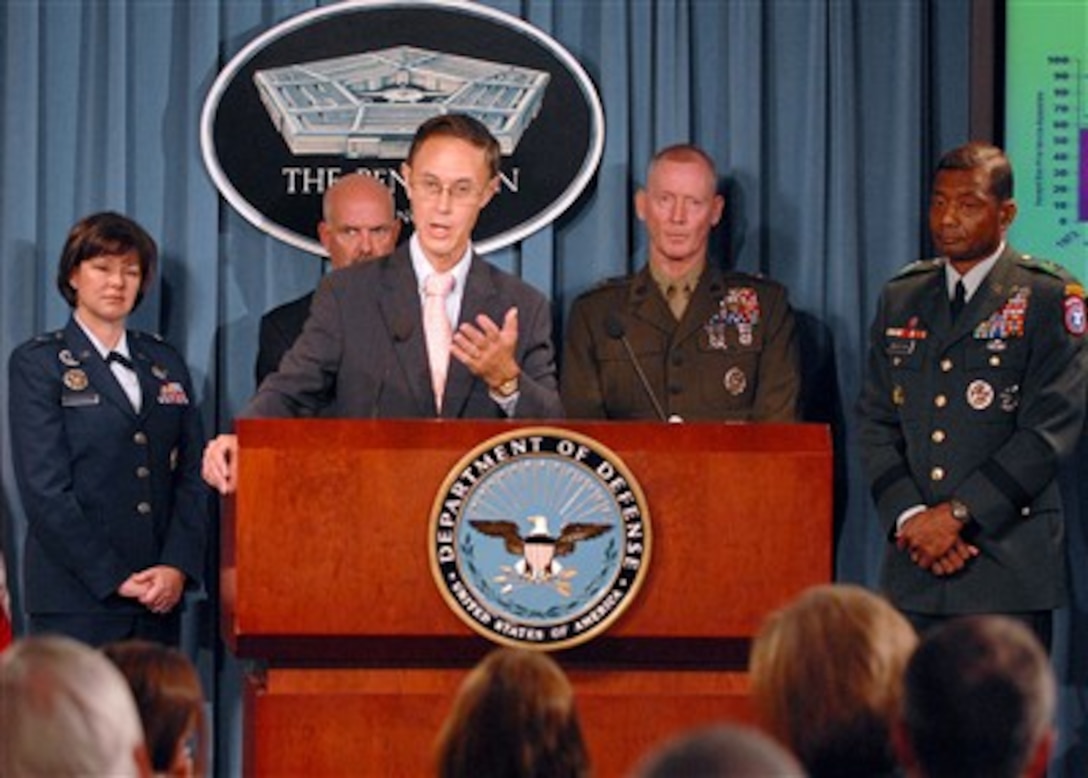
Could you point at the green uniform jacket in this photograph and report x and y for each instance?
(733, 356)
(982, 410)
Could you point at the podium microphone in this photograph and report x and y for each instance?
(615, 330)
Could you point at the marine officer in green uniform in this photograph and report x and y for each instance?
(682, 339)
(974, 395)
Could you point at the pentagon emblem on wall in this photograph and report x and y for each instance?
(369, 105)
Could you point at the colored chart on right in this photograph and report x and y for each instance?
(1046, 128)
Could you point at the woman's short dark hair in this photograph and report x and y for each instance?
(105, 234)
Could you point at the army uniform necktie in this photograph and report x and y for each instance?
(959, 300)
(677, 297)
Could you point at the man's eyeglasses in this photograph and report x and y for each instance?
(460, 191)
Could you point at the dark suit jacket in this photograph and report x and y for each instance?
(983, 410)
(362, 349)
(107, 491)
(279, 329)
(735, 378)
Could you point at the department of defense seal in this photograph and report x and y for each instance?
(539, 538)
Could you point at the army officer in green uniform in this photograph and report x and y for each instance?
(681, 339)
(974, 395)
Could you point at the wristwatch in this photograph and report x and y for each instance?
(960, 511)
(507, 387)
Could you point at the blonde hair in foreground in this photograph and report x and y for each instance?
(66, 711)
(827, 678)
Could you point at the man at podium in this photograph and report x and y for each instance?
(431, 330)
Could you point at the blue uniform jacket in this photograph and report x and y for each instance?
(107, 491)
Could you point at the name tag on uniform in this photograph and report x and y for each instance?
(900, 347)
(78, 400)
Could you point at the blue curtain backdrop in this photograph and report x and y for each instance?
(825, 116)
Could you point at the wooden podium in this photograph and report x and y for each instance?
(326, 580)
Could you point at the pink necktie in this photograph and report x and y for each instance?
(436, 328)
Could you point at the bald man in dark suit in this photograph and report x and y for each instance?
(359, 223)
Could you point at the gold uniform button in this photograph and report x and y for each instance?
(897, 361)
(142, 472)
(143, 508)
(140, 438)
(940, 401)
(937, 436)
(995, 360)
(937, 474)
(946, 365)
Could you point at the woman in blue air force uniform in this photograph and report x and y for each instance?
(106, 444)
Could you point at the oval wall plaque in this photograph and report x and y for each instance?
(341, 89)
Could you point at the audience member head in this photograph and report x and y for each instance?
(106, 234)
(170, 700)
(359, 220)
(726, 751)
(979, 702)
(826, 673)
(513, 717)
(680, 205)
(65, 710)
